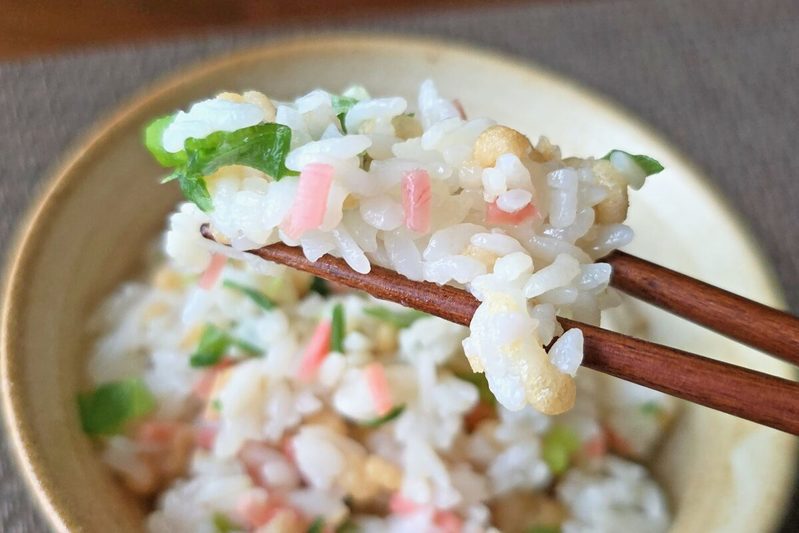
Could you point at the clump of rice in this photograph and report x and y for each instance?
(434, 196)
(258, 441)
(248, 398)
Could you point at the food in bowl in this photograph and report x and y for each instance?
(433, 196)
(249, 397)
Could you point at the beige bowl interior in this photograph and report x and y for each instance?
(105, 206)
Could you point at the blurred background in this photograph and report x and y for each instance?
(716, 77)
(50, 26)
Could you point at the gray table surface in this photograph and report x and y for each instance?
(717, 77)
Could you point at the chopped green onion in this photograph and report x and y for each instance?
(216, 404)
(543, 529)
(339, 327)
(557, 448)
(223, 524)
(398, 319)
(153, 140)
(478, 379)
(214, 342)
(651, 408)
(320, 286)
(107, 409)
(260, 299)
(395, 412)
(648, 165)
(317, 526)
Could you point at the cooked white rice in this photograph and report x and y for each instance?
(250, 440)
(283, 431)
(517, 225)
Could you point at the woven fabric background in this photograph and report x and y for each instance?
(717, 77)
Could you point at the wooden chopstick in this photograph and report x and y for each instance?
(746, 321)
(745, 393)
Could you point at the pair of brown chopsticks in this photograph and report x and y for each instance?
(742, 392)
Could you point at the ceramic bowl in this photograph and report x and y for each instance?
(89, 231)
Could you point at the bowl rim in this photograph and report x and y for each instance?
(64, 174)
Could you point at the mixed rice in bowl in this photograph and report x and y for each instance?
(243, 396)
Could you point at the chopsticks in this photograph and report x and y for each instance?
(759, 397)
(748, 322)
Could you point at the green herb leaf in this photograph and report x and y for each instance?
(543, 529)
(342, 106)
(557, 448)
(263, 147)
(223, 524)
(153, 140)
(194, 190)
(216, 404)
(342, 117)
(214, 342)
(398, 319)
(260, 299)
(107, 409)
(320, 286)
(246, 347)
(317, 526)
(479, 380)
(651, 408)
(339, 327)
(648, 165)
(395, 412)
(171, 177)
